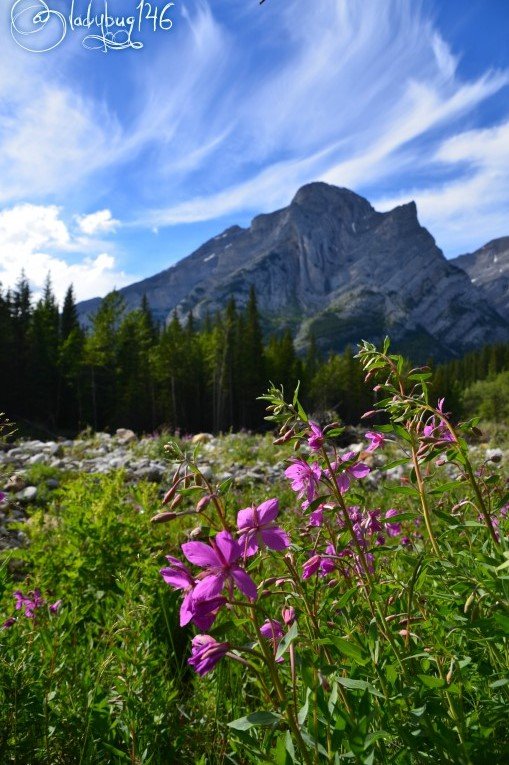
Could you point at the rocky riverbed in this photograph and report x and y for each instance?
(31, 470)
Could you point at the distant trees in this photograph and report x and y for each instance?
(125, 371)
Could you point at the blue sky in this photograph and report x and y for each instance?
(115, 165)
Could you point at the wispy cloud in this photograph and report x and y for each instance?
(357, 84)
(466, 212)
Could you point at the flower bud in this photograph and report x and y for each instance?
(170, 493)
(163, 517)
(176, 502)
(195, 532)
(288, 614)
(202, 504)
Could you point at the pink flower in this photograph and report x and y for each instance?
(377, 439)
(272, 630)
(258, 529)
(316, 517)
(205, 653)
(393, 529)
(55, 607)
(9, 622)
(317, 438)
(219, 561)
(29, 604)
(304, 478)
(356, 470)
(178, 576)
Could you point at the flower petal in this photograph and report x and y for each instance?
(200, 554)
(246, 518)
(227, 547)
(275, 538)
(209, 587)
(244, 582)
(267, 511)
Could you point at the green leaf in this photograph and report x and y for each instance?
(287, 640)
(347, 648)
(255, 719)
(430, 681)
(359, 685)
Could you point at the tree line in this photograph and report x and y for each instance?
(125, 371)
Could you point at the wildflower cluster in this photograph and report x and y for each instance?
(29, 605)
(287, 590)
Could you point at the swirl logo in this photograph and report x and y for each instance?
(35, 27)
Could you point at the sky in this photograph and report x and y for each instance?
(124, 147)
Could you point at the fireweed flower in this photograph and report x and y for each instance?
(219, 562)
(177, 575)
(9, 622)
(343, 474)
(258, 530)
(317, 438)
(272, 630)
(377, 440)
(438, 430)
(304, 478)
(55, 607)
(327, 563)
(205, 653)
(393, 529)
(29, 603)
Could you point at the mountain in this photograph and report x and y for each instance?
(488, 268)
(330, 265)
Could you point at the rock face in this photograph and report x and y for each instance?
(330, 265)
(488, 269)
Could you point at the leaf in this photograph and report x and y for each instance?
(430, 681)
(359, 685)
(303, 712)
(261, 719)
(347, 648)
(287, 640)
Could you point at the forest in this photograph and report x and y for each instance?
(125, 371)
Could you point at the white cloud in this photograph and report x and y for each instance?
(100, 222)
(36, 239)
(472, 209)
(358, 84)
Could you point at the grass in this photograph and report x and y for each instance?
(106, 679)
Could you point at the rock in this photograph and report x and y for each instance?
(15, 483)
(125, 436)
(28, 494)
(202, 438)
(37, 459)
(52, 483)
(153, 473)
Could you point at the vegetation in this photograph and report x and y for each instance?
(377, 630)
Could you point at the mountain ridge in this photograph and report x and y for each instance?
(330, 265)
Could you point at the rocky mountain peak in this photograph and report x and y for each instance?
(332, 266)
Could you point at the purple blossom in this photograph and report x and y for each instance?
(205, 653)
(304, 478)
(258, 529)
(177, 575)
(328, 564)
(9, 622)
(316, 517)
(272, 630)
(219, 561)
(29, 603)
(55, 607)
(393, 529)
(377, 440)
(2, 496)
(343, 478)
(317, 438)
